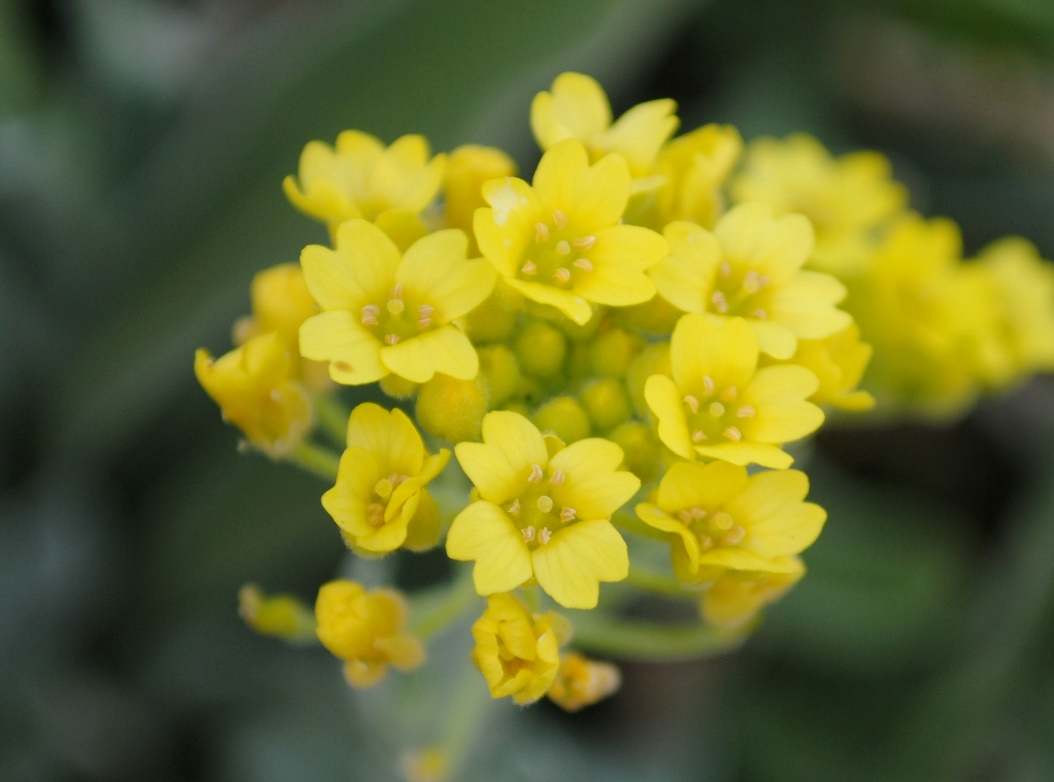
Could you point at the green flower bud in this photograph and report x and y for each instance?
(540, 348)
(565, 417)
(641, 447)
(612, 352)
(607, 403)
(452, 409)
(499, 366)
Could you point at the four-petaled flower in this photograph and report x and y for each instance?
(379, 501)
(719, 405)
(541, 516)
(559, 242)
(719, 519)
(383, 313)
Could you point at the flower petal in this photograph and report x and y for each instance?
(577, 558)
(724, 350)
(592, 486)
(354, 354)
(664, 399)
(484, 534)
(445, 349)
(435, 268)
(389, 434)
(358, 272)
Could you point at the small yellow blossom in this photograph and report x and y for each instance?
(541, 516)
(750, 267)
(582, 682)
(379, 501)
(517, 652)
(468, 167)
(281, 616)
(1022, 286)
(281, 302)
(847, 199)
(578, 108)
(720, 519)
(735, 598)
(718, 405)
(366, 630)
(257, 391)
(838, 362)
(560, 243)
(428, 764)
(692, 170)
(385, 313)
(361, 178)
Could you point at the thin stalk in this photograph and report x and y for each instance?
(316, 460)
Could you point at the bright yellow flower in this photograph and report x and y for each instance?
(927, 321)
(361, 178)
(468, 167)
(719, 405)
(578, 108)
(750, 267)
(838, 362)
(379, 501)
(366, 630)
(560, 242)
(693, 168)
(735, 598)
(281, 302)
(847, 199)
(517, 652)
(257, 390)
(720, 519)
(383, 313)
(582, 682)
(540, 516)
(281, 616)
(1022, 285)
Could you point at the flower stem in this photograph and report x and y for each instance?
(332, 418)
(316, 460)
(656, 583)
(654, 642)
(437, 609)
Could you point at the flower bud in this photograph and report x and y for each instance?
(541, 348)
(607, 403)
(452, 409)
(565, 417)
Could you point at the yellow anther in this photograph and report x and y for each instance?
(562, 274)
(734, 536)
(375, 514)
(560, 219)
(706, 542)
(541, 232)
(397, 291)
(759, 313)
(733, 434)
(545, 535)
(692, 402)
(708, 384)
(529, 268)
(369, 314)
(584, 264)
(514, 509)
(752, 282)
(697, 513)
(528, 534)
(720, 304)
(536, 474)
(545, 503)
(558, 478)
(724, 269)
(567, 514)
(584, 242)
(746, 411)
(698, 436)
(717, 409)
(391, 339)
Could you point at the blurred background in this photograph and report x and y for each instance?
(142, 146)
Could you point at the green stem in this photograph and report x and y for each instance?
(654, 642)
(332, 418)
(436, 610)
(315, 459)
(657, 583)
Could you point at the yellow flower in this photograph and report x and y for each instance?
(692, 168)
(838, 362)
(578, 108)
(517, 652)
(847, 199)
(281, 302)
(1022, 286)
(582, 682)
(927, 320)
(366, 630)
(540, 516)
(385, 314)
(721, 519)
(560, 242)
(257, 391)
(281, 616)
(718, 405)
(361, 178)
(379, 501)
(750, 267)
(735, 598)
(468, 167)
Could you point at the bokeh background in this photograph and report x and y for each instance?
(142, 146)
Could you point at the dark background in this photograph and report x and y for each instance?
(142, 146)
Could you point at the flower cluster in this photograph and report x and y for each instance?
(620, 348)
